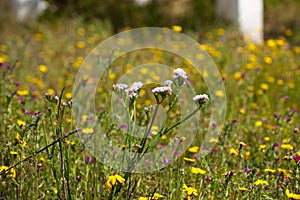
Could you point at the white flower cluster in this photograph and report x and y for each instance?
(162, 90)
(180, 73)
(168, 83)
(201, 99)
(120, 86)
(136, 86)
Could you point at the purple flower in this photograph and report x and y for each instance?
(267, 187)
(214, 149)
(234, 121)
(275, 145)
(17, 84)
(8, 68)
(297, 158)
(247, 170)
(287, 179)
(208, 180)
(87, 159)
(1, 64)
(166, 161)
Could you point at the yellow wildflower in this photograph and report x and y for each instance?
(197, 170)
(43, 68)
(258, 123)
(177, 28)
(13, 173)
(189, 191)
(21, 123)
(291, 195)
(233, 151)
(112, 180)
(193, 149)
(189, 159)
(23, 92)
(287, 146)
(243, 189)
(261, 182)
(87, 130)
(270, 170)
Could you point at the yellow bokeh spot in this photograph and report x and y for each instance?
(219, 93)
(51, 91)
(177, 28)
(81, 31)
(43, 68)
(80, 44)
(258, 123)
(280, 82)
(268, 60)
(111, 76)
(68, 95)
(264, 86)
(23, 92)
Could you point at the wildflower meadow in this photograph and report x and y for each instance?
(46, 149)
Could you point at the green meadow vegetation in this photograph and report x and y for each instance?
(257, 155)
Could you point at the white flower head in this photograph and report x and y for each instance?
(201, 99)
(136, 87)
(133, 95)
(120, 86)
(162, 90)
(168, 83)
(180, 73)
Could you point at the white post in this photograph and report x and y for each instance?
(250, 19)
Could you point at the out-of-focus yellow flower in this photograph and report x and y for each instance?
(3, 58)
(247, 155)
(68, 95)
(87, 130)
(13, 153)
(195, 170)
(21, 123)
(13, 173)
(243, 189)
(43, 68)
(233, 151)
(268, 60)
(261, 182)
(262, 146)
(177, 28)
(189, 159)
(38, 37)
(112, 180)
(264, 86)
(3, 168)
(242, 111)
(23, 92)
(287, 146)
(81, 31)
(189, 191)
(219, 93)
(80, 44)
(291, 195)
(51, 91)
(283, 171)
(258, 123)
(155, 197)
(270, 170)
(267, 139)
(193, 149)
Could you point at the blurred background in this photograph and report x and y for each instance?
(280, 16)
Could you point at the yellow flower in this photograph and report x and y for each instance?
(262, 146)
(3, 168)
(13, 173)
(189, 159)
(193, 149)
(87, 130)
(68, 95)
(80, 44)
(189, 191)
(21, 123)
(23, 92)
(243, 189)
(258, 123)
(242, 111)
(197, 170)
(291, 195)
(270, 170)
(268, 60)
(177, 28)
(247, 155)
(287, 146)
(264, 86)
(43, 68)
(267, 139)
(261, 182)
(54, 189)
(13, 153)
(213, 140)
(112, 180)
(283, 171)
(233, 151)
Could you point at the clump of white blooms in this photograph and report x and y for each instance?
(180, 76)
(120, 86)
(180, 73)
(201, 99)
(133, 95)
(136, 87)
(162, 90)
(168, 83)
